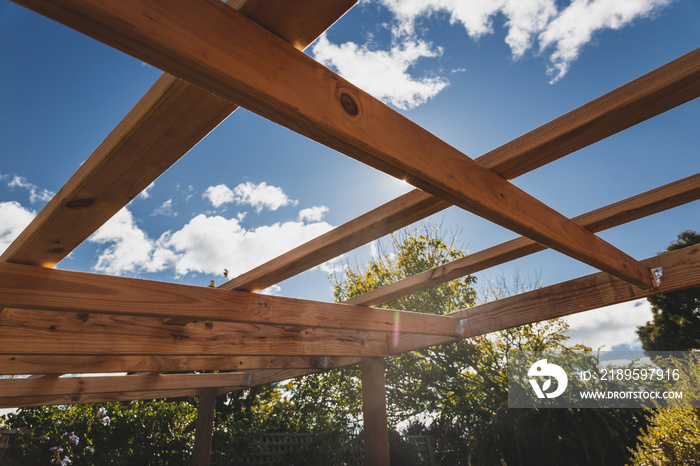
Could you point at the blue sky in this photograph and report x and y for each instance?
(476, 74)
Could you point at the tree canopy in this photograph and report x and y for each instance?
(676, 315)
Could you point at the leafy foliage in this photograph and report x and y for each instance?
(458, 392)
(148, 433)
(672, 437)
(676, 322)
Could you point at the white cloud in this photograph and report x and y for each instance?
(313, 214)
(261, 196)
(383, 73)
(166, 209)
(575, 26)
(145, 194)
(35, 193)
(530, 23)
(130, 249)
(333, 266)
(209, 244)
(13, 220)
(610, 326)
(219, 195)
(271, 290)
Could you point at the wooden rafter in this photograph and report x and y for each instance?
(262, 377)
(662, 89)
(167, 122)
(681, 267)
(29, 287)
(392, 216)
(46, 332)
(270, 77)
(633, 208)
(18, 364)
(69, 386)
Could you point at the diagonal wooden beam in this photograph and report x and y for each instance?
(394, 215)
(130, 383)
(29, 287)
(681, 268)
(23, 364)
(167, 122)
(652, 94)
(633, 208)
(268, 76)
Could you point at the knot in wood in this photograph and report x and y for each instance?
(349, 104)
(80, 203)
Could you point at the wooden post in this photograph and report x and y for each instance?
(374, 411)
(205, 427)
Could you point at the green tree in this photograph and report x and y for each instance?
(676, 322)
(458, 392)
(672, 437)
(135, 433)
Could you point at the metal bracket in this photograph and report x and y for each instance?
(460, 327)
(657, 276)
(248, 380)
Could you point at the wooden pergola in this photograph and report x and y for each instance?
(57, 322)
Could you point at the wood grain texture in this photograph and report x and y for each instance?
(659, 90)
(376, 431)
(636, 207)
(167, 122)
(206, 411)
(23, 401)
(45, 332)
(129, 383)
(268, 76)
(29, 287)
(682, 270)
(22, 364)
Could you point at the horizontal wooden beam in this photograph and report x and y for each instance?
(262, 377)
(681, 267)
(129, 383)
(46, 332)
(394, 215)
(636, 207)
(268, 76)
(26, 401)
(29, 287)
(22, 364)
(166, 123)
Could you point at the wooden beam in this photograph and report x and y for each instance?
(658, 91)
(636, 207)
(205, 427)
(389, 217)
(376, 432)
(681, 267)
(25, 401)
(29, 287)
(22, 364)
(261, 377)
(129, 383)
(269, 77)
(46, 332)
(166, 123)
